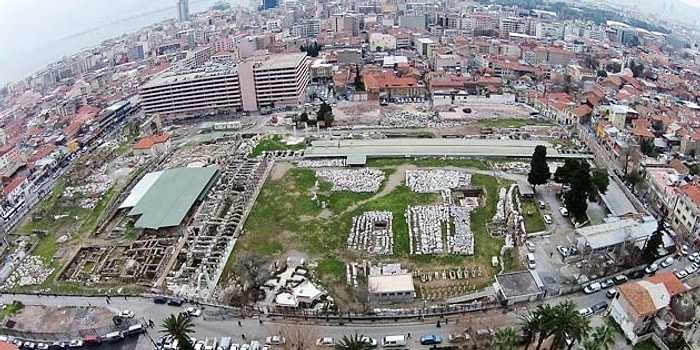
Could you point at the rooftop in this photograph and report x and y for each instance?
(391, 283)
(519, 283)
(279, 61)
(673, 285)
(187, 74)
(615, 232)
(169, 199)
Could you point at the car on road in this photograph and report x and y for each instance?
(684, 249)
(651, 268)
(369, 341)
(325, 341)
(193, 311)
(43, 346)
(692, 268)
(599, 306)
(159, 299)
(564, 251)
(540, 204)
(430, 339)
(176, 302)
(458, 337)
(636, 274)
(275, 340)
(29, 345)
(619, 279)
(592, 288)
(75, 343)
(611, 293)
(126, 314)
(547, 219)
(668, 262)
(607, 283)
(585, 312)
(681, 274)
(563, 211)
(530, 246)
(694, 257)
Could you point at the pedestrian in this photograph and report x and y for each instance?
(438, 324)
(243, 336)
(125, 298)
(108, 301)
(550, 254)
(240, 324)
(447, 320)
(151, 323)
(409, 336)
(261, 321)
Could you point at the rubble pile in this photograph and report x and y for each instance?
(31, 271)
(372, 233)
(353, 180)
(433, 181)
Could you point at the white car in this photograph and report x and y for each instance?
(692, 268)
(681, 274)
(651, 268)
(585, 312)
(564, 251)
(193, 311)
(530, 246)
(369, 341)
(668, 262)
(547, 219)
(127, 314)
(684, 249)
(75, 343)
(43, 346)
(234, 347)
(694, 257)
(275, 340)
(326, 341)
(563, 211)
(592, 288)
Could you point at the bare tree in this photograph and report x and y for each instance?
(297, 336)
(253, 270)
(364, 295)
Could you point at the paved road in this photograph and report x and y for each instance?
(215, 326)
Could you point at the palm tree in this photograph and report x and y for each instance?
(604, 336)
(568, 321)
(179, 327)
(506, 339)
(590, 344)
(353, 342)
(544, 314)
(529, 325)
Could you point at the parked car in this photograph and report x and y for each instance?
(620, 279)
(43, 346)
(458, 337)
(585, 312)
(430, 339)
(611, 293)
(547, 219)
(193, 311)
(530, 246)
(75, 343)
(540, 204)
(599, 306)
(564, 251)
(126, 314)
(684, 249)
(681, 274)
(607, 283)
(694, 257)
(563, 211)
(651, 268)
(159, 299)
(275, 340)
(668, 262)
(692, 268)
(636, 274)
(369, 341)
(592, 288)
(176, 302)
(326, 341)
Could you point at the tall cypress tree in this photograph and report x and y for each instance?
(539, 170)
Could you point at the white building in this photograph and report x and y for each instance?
(396, 288)
(277, 80)
(381, 42)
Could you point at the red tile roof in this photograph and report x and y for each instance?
(148, 142)
(638, 298)
(673, 285)
(13, 184)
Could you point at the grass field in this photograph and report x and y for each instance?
(284, 218)
(273, 144)
(511, 123)
(534, 222)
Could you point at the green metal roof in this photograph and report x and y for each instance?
(356, 159)
(170, 198)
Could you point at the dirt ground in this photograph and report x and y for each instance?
(279, 169)
(50, 319)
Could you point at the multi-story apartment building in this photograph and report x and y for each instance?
(274, 81)
(685, 217)
(192, 91)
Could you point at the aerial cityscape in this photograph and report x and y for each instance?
(295, 174)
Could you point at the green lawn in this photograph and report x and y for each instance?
(511, 122)
(461, 163)
(273, 144)
(647, 345)
(534, 222)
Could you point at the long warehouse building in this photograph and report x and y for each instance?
(260, 82)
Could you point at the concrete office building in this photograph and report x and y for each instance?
(279, 80)
(187, 92)
(183, 10)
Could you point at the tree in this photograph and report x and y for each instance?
(538, 324)
(353, 342)
(601, 180)
(328, 118)
(590, 344)
(633, 178)
(253, 270)
(506, 339)
(297, 336)
(568, 322)
(322, 110)
(179, 327)
(378, 49)
(604, 336)
(530, 325)
(651, 249)
(613, 67)
(359, 84)
(602, 73)
(637, 69)
(539, 170)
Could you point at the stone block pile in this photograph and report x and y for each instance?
(31, 271)
(372, 233)
(434, 181)
(321, 163)
(425, 230)
(353, 180)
